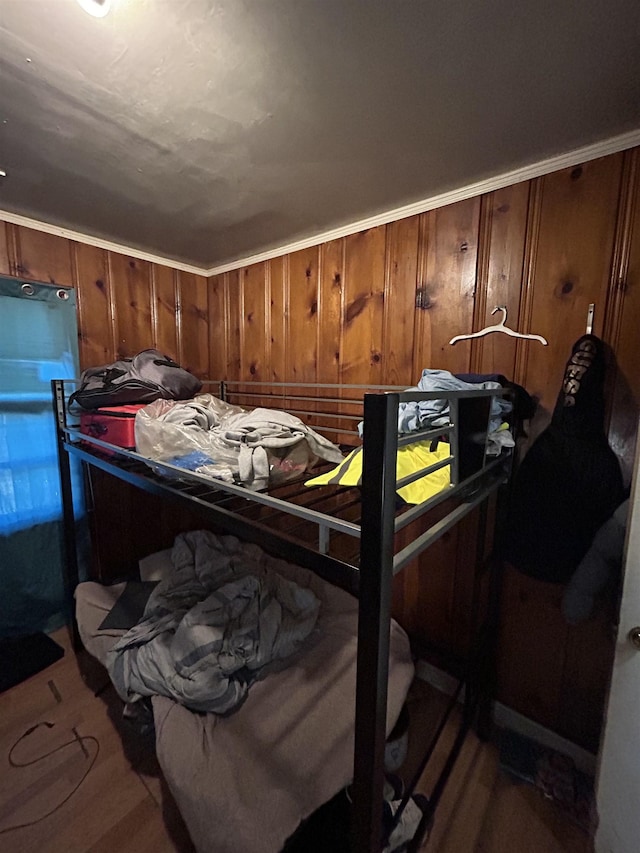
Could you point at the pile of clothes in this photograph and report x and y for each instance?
(256, 448)
(494, 435)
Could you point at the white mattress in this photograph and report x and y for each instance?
(244, 782)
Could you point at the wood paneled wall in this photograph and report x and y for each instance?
(379, 306)
(124, 304)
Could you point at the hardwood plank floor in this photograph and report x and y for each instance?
(100, 790)
(484, 809)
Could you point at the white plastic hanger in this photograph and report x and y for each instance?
(499, 327)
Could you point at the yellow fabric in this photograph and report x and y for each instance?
(410, 458)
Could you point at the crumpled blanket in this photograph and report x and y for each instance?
(212, 627)
(256, 432)
(227, 442)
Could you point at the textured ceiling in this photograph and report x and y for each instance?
(208, 130)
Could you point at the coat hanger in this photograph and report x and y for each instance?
(499, 327)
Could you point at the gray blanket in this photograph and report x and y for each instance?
(212, 627)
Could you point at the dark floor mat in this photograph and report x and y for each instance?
(22, 657)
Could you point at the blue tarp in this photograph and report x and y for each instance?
(38, 342)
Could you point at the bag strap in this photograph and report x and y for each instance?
(108, 375)
(166, 362)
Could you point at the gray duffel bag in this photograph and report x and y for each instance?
(149, 375)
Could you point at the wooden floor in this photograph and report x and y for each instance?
(483, 809)
(100, 790)
(120, 806)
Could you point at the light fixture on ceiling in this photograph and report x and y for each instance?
(97, 8)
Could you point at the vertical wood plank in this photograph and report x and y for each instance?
(532, 647)
(302, 320)
(464, 564)
(424, 591)
(218, 331)
(279, 310)
(331, 274)
(483, 260)
(131, 294)
(532, 235)
(401, 269)
(627, 201)
(505, 258)
(95, 321)
(585, 677)
(233, 323)
(266, 299)
(433, 601)
(426, 234)
(11, 232)
(253, 350)
(447, 278)
(624, 325)
(164, 309)
(572, 262)
(194, 319)
(330, 311)
(5, 264)
(362, 346)
(43, 257)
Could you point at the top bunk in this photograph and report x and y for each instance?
(405, 452)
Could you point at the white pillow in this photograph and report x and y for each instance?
(155, 567)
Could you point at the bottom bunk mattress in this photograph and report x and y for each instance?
(245, 781)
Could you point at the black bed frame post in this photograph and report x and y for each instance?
(376, 574)
(70, 553)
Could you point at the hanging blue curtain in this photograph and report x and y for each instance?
(38, 342)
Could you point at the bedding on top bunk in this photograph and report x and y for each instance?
(245, 781)
(257, 447)
(432, 413)
(415, 457)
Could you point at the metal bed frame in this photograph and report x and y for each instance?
(369, 522)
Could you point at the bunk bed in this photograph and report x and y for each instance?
(346, 536)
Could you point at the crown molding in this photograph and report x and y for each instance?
(602, 148)
(525, 173)
(98, 242)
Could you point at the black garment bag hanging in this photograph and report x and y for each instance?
(570, 481)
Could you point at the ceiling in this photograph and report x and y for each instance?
(205, 131)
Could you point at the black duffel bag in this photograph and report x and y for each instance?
(149, 375)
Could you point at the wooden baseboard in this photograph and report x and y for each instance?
(506, 717)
